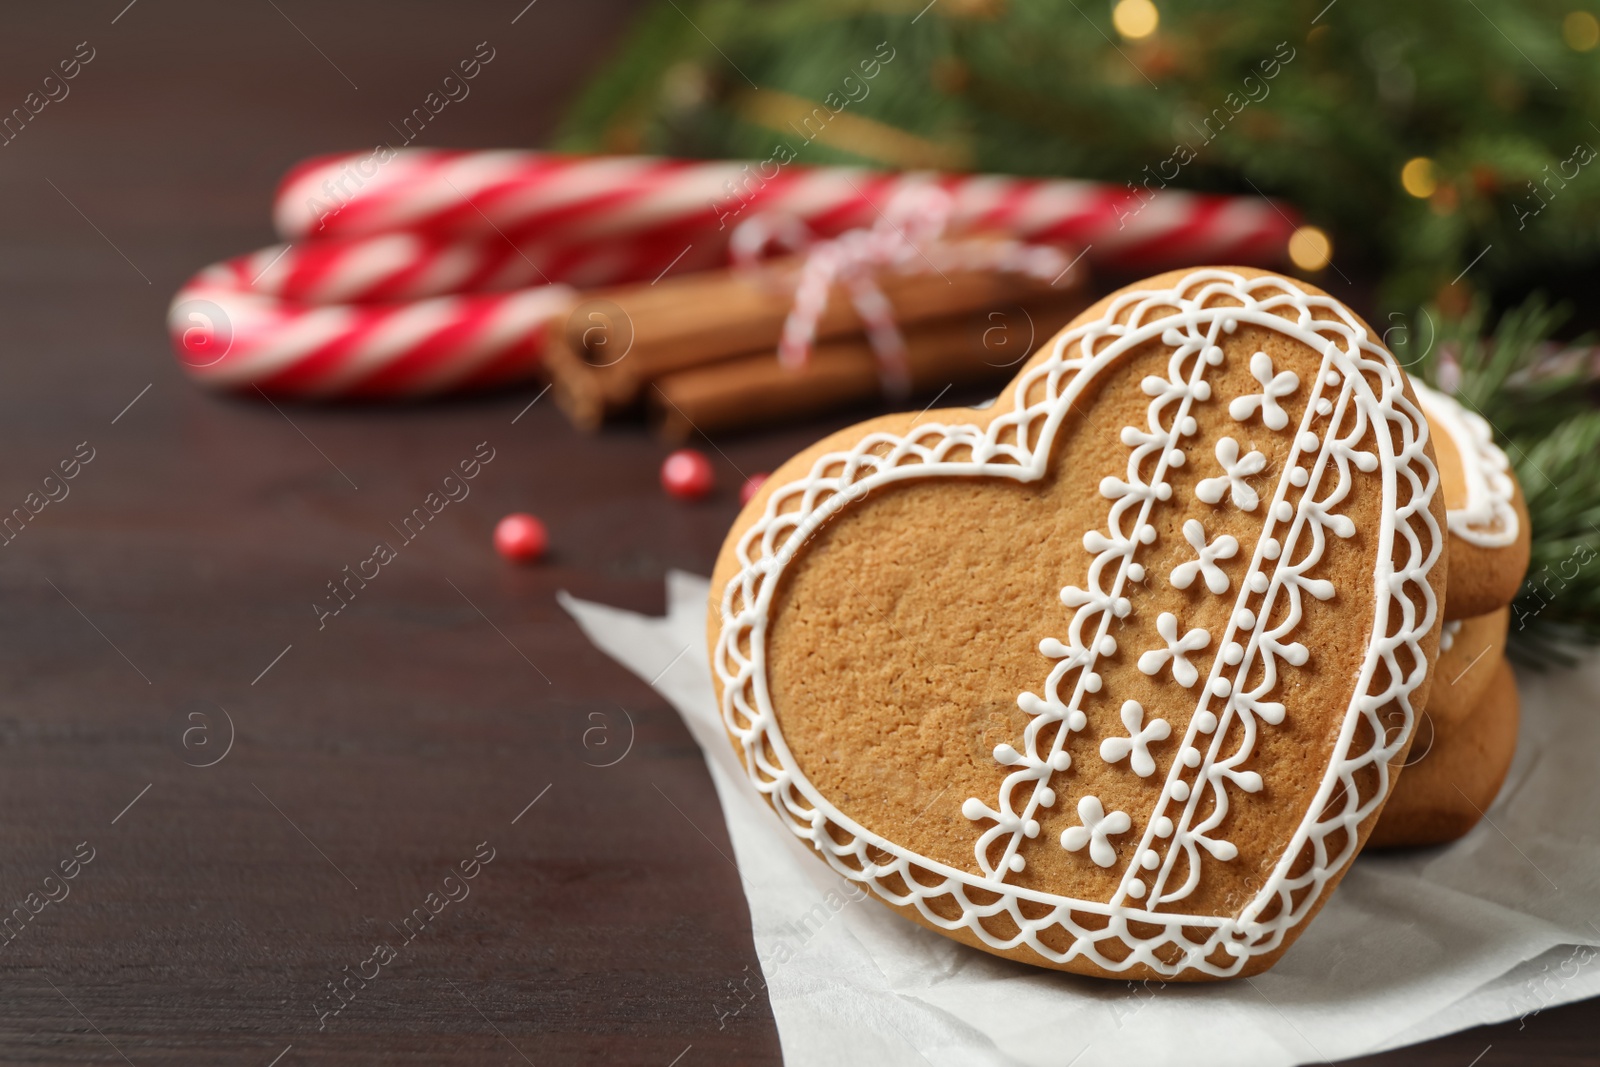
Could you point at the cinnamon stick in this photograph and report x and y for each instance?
(758, 390)
(605, 352)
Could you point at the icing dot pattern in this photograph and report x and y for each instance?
(1101, 602)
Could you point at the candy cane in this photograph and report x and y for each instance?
(236, 340)
(540, 196)
(394, 267)
(420, 272)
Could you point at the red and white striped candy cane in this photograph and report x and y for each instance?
(393, 267)
(420, 272)
(574, 200)
(230, 338)
(390, 315)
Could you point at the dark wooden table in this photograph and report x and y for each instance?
(163, 610)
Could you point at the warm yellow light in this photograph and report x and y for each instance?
(1310, 248)
(1581, 31)
(1418, 178)
(1135, 19)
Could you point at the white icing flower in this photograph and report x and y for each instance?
(1235, 469)
(1272, 387)
(1177, 650)
(1224, 547)
(1137, 743)
(1097, 827)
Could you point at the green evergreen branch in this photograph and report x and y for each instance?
(1046, 87)
(1534, 394)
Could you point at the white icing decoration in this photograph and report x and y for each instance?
(1235, 469)
(1266, 401)
(1177, 651)
(1373, 427)
(1097, 828)
(1224, 547)
(1136, 746)
(1487, 518)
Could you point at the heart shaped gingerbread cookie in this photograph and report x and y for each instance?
(1109, 676)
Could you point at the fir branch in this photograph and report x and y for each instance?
(1558, 606)
(1322, 112)
(1533, 392)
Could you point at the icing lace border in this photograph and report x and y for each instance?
(1488, 519)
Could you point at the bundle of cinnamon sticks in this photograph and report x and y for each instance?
(698, 352)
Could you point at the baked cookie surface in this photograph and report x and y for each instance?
(1470, 651)
(1109, 676)
(1455, 770)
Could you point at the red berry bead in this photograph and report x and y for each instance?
(520, 537)
(752, 485)
(686, 474)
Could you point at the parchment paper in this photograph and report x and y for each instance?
(1495, 926)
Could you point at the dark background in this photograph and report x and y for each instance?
(378, 753)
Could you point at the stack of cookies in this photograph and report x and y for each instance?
(1119, 673)
(1468, 731)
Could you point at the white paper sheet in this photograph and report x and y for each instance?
(1493, 927)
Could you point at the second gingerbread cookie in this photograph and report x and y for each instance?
(1109, 676)
(1490, 538)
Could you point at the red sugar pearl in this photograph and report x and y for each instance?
(686, 474)
(520, 537)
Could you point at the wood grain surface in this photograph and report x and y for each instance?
(163, 608)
